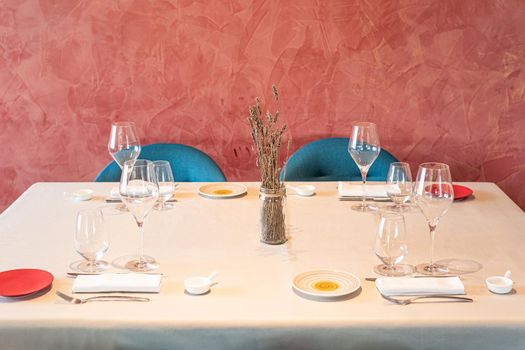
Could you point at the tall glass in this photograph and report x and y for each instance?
(399, 185)
(364, 148)
(166, 184)
(433, 194)
(139, 191)
(391, 245)
(91, 240)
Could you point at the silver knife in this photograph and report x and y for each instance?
(373, 199)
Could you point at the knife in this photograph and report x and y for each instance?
(120, 201)
(374, 199)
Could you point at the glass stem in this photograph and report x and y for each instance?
(432, 234)
(141, 247)
(363, 176)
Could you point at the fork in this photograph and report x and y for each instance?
(451, 299)
(73, 300)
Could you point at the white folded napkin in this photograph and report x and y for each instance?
(419, 285)
(356, 190)
(117, 282)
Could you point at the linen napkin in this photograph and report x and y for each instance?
(391, 286)
(117, 282)
(356, 190)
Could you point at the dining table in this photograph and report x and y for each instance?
(252, 304)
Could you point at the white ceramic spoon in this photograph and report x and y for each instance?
(199, 285)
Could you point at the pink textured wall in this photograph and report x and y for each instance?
(444, 79)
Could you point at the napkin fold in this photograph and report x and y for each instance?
(117, 282)
(356, 190)
(391, 286)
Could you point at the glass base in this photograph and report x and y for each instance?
(432, 269)
(142, 265)
(364, 208)
(92, 266)
(394, 271)
(164, 206)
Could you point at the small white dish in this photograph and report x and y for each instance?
(303, 190)
(327, 283)
(199, 285)
(80, 195)
(222, 190)
(114, 194)
(500, 284)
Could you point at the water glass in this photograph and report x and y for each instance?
(391, 246)
(124, 143)
(91, 240)
(399, 186)
(364, 148)
(166, 184)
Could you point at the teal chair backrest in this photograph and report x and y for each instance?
(187, 163)
(329, 160)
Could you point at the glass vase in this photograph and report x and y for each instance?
(273, 215)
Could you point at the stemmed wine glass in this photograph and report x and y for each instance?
(364, 148)
(139, 191)
(91, 240)
(433, 194)
(166, 184)
(391, 246)
(399, 185)
(123, 145)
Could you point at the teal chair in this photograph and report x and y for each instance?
(187, 163)
(329, 160)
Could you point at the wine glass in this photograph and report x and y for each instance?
(364, 148)
(399, 185)
(391, 246)
(139, 191)
(433, 194)
(124, 143)
(91, 240)
(166, 184)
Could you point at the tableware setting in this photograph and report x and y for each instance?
(198, 285)
(118, 282)
(222, 190)
(79, 195)
(500, 284)
(326, 283)
(24, 282)
(74, 300)
(364, 148)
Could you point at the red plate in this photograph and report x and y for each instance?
(461, 192)
(17, 283)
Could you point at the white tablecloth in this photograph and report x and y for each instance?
(253, 305)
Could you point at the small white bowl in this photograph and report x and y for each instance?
(303, 190)
(80, 195)
(199, 285)
(499, 284)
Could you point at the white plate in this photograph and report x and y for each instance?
(326, 283)
(222, 190)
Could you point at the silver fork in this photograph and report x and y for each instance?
(73, 300)
(448, 299)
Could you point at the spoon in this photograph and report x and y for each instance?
(303, 190)
(199, 285)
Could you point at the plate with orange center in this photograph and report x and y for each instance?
(326, 283)
(222, 190)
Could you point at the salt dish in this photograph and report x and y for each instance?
(303, 190)
(80, 195)
(500, 284)
(199, 285)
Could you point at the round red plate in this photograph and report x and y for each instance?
(461, 192)
(17, 283)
